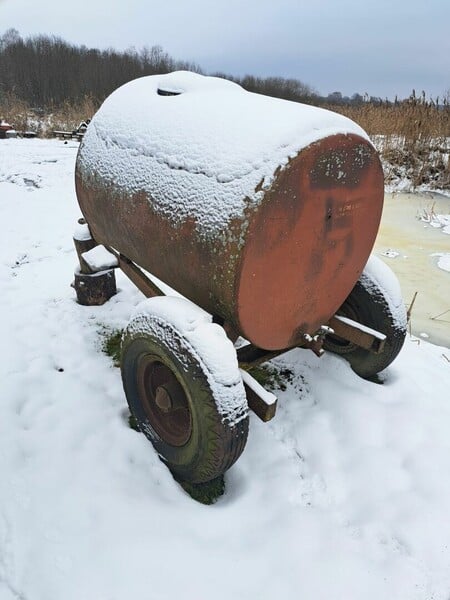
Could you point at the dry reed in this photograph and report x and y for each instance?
(65, 117)
(412, 136)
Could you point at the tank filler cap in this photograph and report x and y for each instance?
(169, 91)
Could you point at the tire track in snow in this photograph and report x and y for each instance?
(7, 564)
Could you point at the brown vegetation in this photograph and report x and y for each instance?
(64, 117)
(15, 111)
(412, 136)
(68, 115)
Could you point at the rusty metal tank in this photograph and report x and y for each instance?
(261, 211)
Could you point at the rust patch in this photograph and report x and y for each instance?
(200, 269)
(309, 241)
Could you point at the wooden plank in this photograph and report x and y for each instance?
(69, 135)
(98, 259)
(358, 334)
(260, 401)
(82, 246)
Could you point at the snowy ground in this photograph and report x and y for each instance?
(344, 495)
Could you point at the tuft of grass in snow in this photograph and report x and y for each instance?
(133, 424)
(205, 493)
(271, 377)
(378, 378)
(112, 344)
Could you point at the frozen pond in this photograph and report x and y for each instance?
(409, 246)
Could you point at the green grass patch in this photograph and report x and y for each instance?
(205, 493)
(112, 344)
(271, 377)
(133, 423)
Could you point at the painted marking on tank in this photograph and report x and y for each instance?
(349, 207)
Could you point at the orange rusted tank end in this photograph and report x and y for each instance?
(308, 243)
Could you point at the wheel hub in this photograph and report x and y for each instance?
(164, 400)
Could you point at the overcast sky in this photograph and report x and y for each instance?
(382, 47)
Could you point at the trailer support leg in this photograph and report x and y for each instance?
(92, 287)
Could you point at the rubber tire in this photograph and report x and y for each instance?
(214, 444)
(369, 304)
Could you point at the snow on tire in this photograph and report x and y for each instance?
(182, 382)
(376, 302)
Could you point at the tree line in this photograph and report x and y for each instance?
(45, 72)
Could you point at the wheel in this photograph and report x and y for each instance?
(376, 302)
(181, 379)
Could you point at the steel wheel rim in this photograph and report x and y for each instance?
(164, 400)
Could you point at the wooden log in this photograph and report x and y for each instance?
(94, 289)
